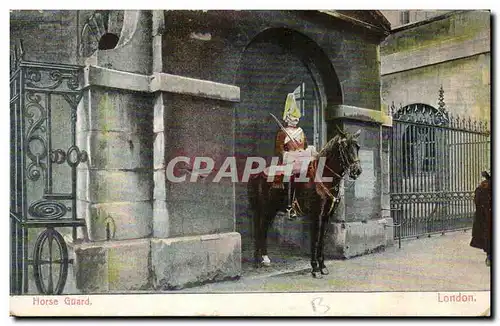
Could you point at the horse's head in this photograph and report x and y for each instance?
(350, 148)
(343, 150)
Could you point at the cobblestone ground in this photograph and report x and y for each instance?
(439, 263)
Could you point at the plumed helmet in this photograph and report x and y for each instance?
(292, 111)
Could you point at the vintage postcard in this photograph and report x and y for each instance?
(250, 162)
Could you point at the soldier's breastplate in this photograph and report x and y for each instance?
(295, 139)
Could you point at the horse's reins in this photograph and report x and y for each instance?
(346, 166)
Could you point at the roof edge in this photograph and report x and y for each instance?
(429, 20)
(385, 29)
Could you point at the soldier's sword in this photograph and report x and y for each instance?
(284, 130)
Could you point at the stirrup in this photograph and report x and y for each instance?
(291, 214)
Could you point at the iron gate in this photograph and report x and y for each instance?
(436, 164)
(44, 159)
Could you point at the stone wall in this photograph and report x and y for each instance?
(209, 45)
(196, 127)
(466, 84)
(453, 52)
(47, 35)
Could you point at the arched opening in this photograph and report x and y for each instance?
(278, 62)
(420, 146)
(108, 41)
(419, 150)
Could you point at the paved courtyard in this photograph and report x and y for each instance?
(439, 263)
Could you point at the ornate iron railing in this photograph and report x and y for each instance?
(436, 163)
(44, 158)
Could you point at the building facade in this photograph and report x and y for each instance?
(436, 85)
(451, 50)
(158, 85)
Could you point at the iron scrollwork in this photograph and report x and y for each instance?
(51, 79)
(45, 244)
(36, 167)
(74, 156)
(421, 113)
(47, 209)
(428, 115)
(33, 86)
(58, 156)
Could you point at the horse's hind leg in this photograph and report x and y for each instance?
(262, 221)
(256, 202)
(321, 249)
(268, 216)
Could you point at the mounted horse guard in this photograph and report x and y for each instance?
(314, 177)
(292, 150)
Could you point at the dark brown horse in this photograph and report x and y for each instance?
(318, 197)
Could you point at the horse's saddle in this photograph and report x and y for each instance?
(294, 160)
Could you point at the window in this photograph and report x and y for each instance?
(309, 105)
(404, 17)
(419, 150)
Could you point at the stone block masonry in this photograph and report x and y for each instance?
(156, 264)
(188, 261)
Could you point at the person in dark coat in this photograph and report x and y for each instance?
(482, 227)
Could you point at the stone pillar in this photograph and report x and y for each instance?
(146, 232)
(115, 188)
(160, 212)
(362, 222)
(193, 222)
(194, 239)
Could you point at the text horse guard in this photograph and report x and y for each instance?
(318, 197)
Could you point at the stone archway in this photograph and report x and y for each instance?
(275, 63)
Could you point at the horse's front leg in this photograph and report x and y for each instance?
(316, 271)
(324, 227)
(316, 227)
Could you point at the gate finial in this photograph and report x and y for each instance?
(441, 103)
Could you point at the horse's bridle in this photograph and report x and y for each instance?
(346, 163)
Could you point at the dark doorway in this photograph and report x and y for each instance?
(275, 64)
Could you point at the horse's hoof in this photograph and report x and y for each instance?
(266, 262)
(316, 274)
(324, 271)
